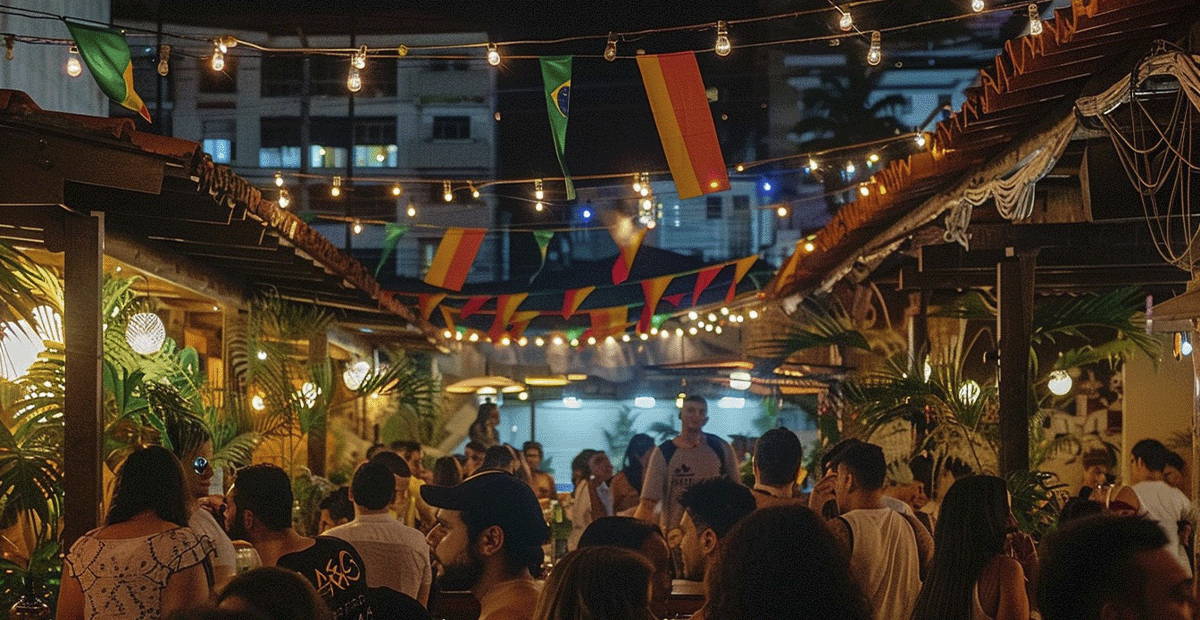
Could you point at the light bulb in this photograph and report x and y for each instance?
(336, 189)
(474, 191)
(360, 58)
(278, 179)
(412, 210)
(537, 190)
(218, 60)
(73, 66)
(978, 5)
(645, 191)
(354, 80)
(222, 46)
(864, 190)
(693, 316)
(781, 211)
(873, 158)
(447, 193)
(574, 342)
(809, 246)
(846, 22)
(539, 341)
(874, 55)
(356, 227)
(164, 58)
(920, 139)
(539, 206)
(557, 340)
(1059, 382)
(610, 48)
(812, 165)
(397, 190)
(284, 200)
(1035, 20)
(493, 56)
(850, 168)
(722, 46)
(637, 182)
(753, 314)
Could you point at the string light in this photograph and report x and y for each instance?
(278, 179)
(73, 66)
(356, 227)
(809, 246)
(740, 168)
(812, 165)
(873, 158)
(447, 194)
(353, 80)
(397, 190)
(874, 55)
(645, 189)
(864, 190)
(920, 139)
(1035, 20)
(978, 5)
(336, 189)
(846, 22)
(850, 168)
(164, 60)
(493, 55)
(474, 190)
(753, 314)
(722, 47)
(284, 200)
(412, 210)
(781, 211)
(610, 48)
(537, 190)
(539, 341)
(637, 182)
(539, 207)
(218, 56)
(360, 58)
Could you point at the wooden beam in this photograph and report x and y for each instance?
(194, 276)
(1014, 324)
(318, 353)
(82, 244)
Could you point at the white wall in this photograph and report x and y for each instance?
(39, 70)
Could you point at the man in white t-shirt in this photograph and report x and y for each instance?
(395, 555)
(1152, 497)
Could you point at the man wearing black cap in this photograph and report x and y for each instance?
(488, 539)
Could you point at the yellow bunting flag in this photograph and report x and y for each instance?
(428, 302)
(454, 256)
(506, 305)
(573, 298)
(742, 268)
(629, 249)
(653, 291)
(608, 321)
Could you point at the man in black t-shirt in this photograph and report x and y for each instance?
(259, 510)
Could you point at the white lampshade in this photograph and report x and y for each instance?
(356, 373)
(969, 392)
(308, 394)
(1059, 382)
(145, 333)
(739, 380)
(19, 349)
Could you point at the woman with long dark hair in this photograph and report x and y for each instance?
(145, 562)
(781, 562)
(597, 583)
(627, 485)
(971, 574)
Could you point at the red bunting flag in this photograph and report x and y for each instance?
(454, 256)
(520, 322)
(629, 249)
(473, 305)
(703, 279)
(675, 299)
(428, 301)
(448, 317)
(685, 125)
(740, 271)
(506, 305)
(653, 291)
(573, 298)
(608, 321)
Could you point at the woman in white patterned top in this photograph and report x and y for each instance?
(144, 563)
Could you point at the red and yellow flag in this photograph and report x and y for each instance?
(703, 279)
(428, 302)
(520, 322)
(653, 290)
(448, 316)
(685, 125)
(473, 305)
(742, 267)
(506, 305)
(454, 256)
(573, 298)
(629, 249)
(608, 321)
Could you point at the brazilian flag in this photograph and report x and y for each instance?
(556, 77)
(106, 55)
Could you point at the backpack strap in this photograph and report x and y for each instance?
(668, 448)
(715, 443)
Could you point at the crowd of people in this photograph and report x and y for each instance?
(678, 520)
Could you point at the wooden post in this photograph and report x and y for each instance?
(318, 353)
(82, 245)
(1014, 324)
(1195, 434)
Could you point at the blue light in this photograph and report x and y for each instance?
(766, 186)
(587, 214)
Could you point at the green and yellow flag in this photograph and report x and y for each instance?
(542, 237)
(556, 76)
(106, 55)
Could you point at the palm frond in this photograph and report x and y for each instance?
(815, 326)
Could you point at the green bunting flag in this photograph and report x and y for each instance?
(391, 236)
(556, 76)
(106, 55)
(543, 240)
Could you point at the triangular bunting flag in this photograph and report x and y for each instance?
(448, 317)
(520, 322)
(542, 237)
(681, 111)
(472, 306)
(573, 298)
(629, 249)
(739, 272)
(556, 77)
(506, 305)
(608, 321)
(653, 291)
(454, 256)
(427, 302)
(106, 54)
(675, 299)
(391, 236)
(703, 279)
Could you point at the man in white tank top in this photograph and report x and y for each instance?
(885, 557)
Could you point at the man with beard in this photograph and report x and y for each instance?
(488, 539)
(259, 510)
